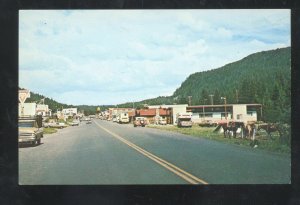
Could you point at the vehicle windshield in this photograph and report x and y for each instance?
(26, 124)
(185, 119)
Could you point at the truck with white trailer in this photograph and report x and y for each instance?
(123, 117)
(184, 119)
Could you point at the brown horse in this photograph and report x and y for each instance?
(250, 130)
(269, 128)
(231, 128)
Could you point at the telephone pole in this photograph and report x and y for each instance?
(211, 99)
(225, 105)
(190, 100)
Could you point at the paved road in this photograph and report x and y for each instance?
(109, 153)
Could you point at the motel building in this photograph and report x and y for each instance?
(218, 113)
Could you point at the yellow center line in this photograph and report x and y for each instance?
(176, 170)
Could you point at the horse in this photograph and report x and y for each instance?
(231, 127)
(269, 128)
(250, 130)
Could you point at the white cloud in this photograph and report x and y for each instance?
(91, 56)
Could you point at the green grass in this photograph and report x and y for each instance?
(49, 130)
(207, 132)
(61, 120)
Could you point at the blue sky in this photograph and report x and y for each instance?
(98, 57)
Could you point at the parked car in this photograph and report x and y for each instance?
(30, 130)
(162, 121)
(46, 124)
(59, 125)
(74, 123)
(140, 121)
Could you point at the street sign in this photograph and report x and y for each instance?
(23, 95)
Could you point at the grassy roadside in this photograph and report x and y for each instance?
(49, 130)
(207, 132)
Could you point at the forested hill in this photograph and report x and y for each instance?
(263, 77)
(54, 105)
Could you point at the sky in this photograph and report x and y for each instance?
(102, 57)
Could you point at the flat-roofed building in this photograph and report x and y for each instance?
(219, 113)
(69, 111)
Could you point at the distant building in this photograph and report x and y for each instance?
(174, 110)
(69, 112)
(42, 109)
(113, 112)
(154, 114)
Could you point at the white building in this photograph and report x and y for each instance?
(43, 110)
(27, 109)
(218, 113)
(69, 111)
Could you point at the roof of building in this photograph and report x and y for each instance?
(167, 106)
(227, 105)
(146, 112)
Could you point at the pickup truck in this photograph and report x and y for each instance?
(30, 130)
(140, 121)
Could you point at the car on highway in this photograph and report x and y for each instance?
(140, 121)
(30, 130)
(85, 119)
(89, 122)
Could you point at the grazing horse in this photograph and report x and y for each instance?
(269, 128)
(231, 127)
